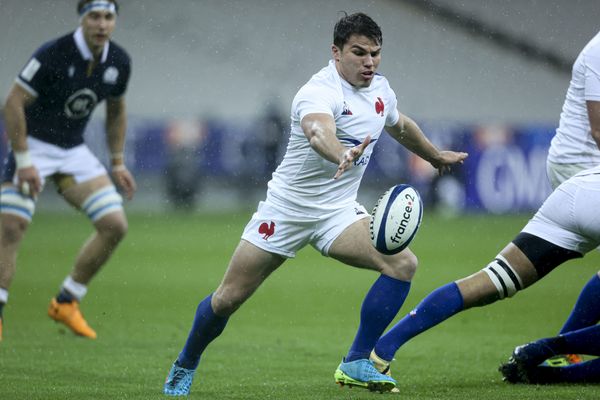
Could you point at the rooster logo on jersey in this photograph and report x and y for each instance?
(379, 106)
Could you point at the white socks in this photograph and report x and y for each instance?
(76, 289)
(3, 295)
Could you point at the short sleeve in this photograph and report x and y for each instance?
(312, 99)
(123, 79)
(393, 115)
(592, 75)
(37, 72)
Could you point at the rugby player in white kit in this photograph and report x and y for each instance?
(337, 118)
(576, 147)
(567, 226)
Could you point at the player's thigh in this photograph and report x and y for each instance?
(353, 247)
(77, 193)
(569, 218)
(248, 268)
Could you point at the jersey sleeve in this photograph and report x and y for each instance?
(37, 73)
(393, 115)
(312, 99)
(123, 79)
(592, 75)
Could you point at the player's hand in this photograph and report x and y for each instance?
(29, 182)
(125, 181)
(350, 155)
(446, 159)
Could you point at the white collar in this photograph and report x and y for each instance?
(342, 83)
(83, 48)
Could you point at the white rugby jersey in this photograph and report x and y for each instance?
(304, 182)
(573, 142)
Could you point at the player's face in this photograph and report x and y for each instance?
(358, 60)
(97, 28)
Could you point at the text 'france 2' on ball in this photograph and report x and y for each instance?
(395, 219)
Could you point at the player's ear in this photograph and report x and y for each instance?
(336, 52)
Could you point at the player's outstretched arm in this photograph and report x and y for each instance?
(320, 131)
(116, 126)
(407, 132)
(18, 99)
(350, 155)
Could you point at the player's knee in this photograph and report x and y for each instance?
(222, 304)
(12, 230)
(226, 301)
(504, 277)
(113, 227)
(403, 266)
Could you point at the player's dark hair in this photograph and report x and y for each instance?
(356, 24)
(82, 3)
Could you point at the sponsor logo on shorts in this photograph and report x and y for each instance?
(267, 229)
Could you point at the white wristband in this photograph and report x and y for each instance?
(117, 168)
(23, 159)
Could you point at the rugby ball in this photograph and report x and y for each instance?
(395, 219)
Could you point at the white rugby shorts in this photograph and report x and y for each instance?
(78, 161)
(283, 232)
(569, 217)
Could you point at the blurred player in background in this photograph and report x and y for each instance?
(46, 112)
(336, 119)
(566, 226)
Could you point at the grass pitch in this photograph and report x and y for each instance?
(286, 342)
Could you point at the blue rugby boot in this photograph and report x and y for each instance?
(362, 373)
(532, 354)
(178, 381)
(524, 360)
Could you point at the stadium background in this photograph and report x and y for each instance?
(211, 92)
(210, 78)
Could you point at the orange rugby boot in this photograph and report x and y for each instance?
(69, 314)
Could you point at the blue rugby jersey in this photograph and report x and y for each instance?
(57, 74)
